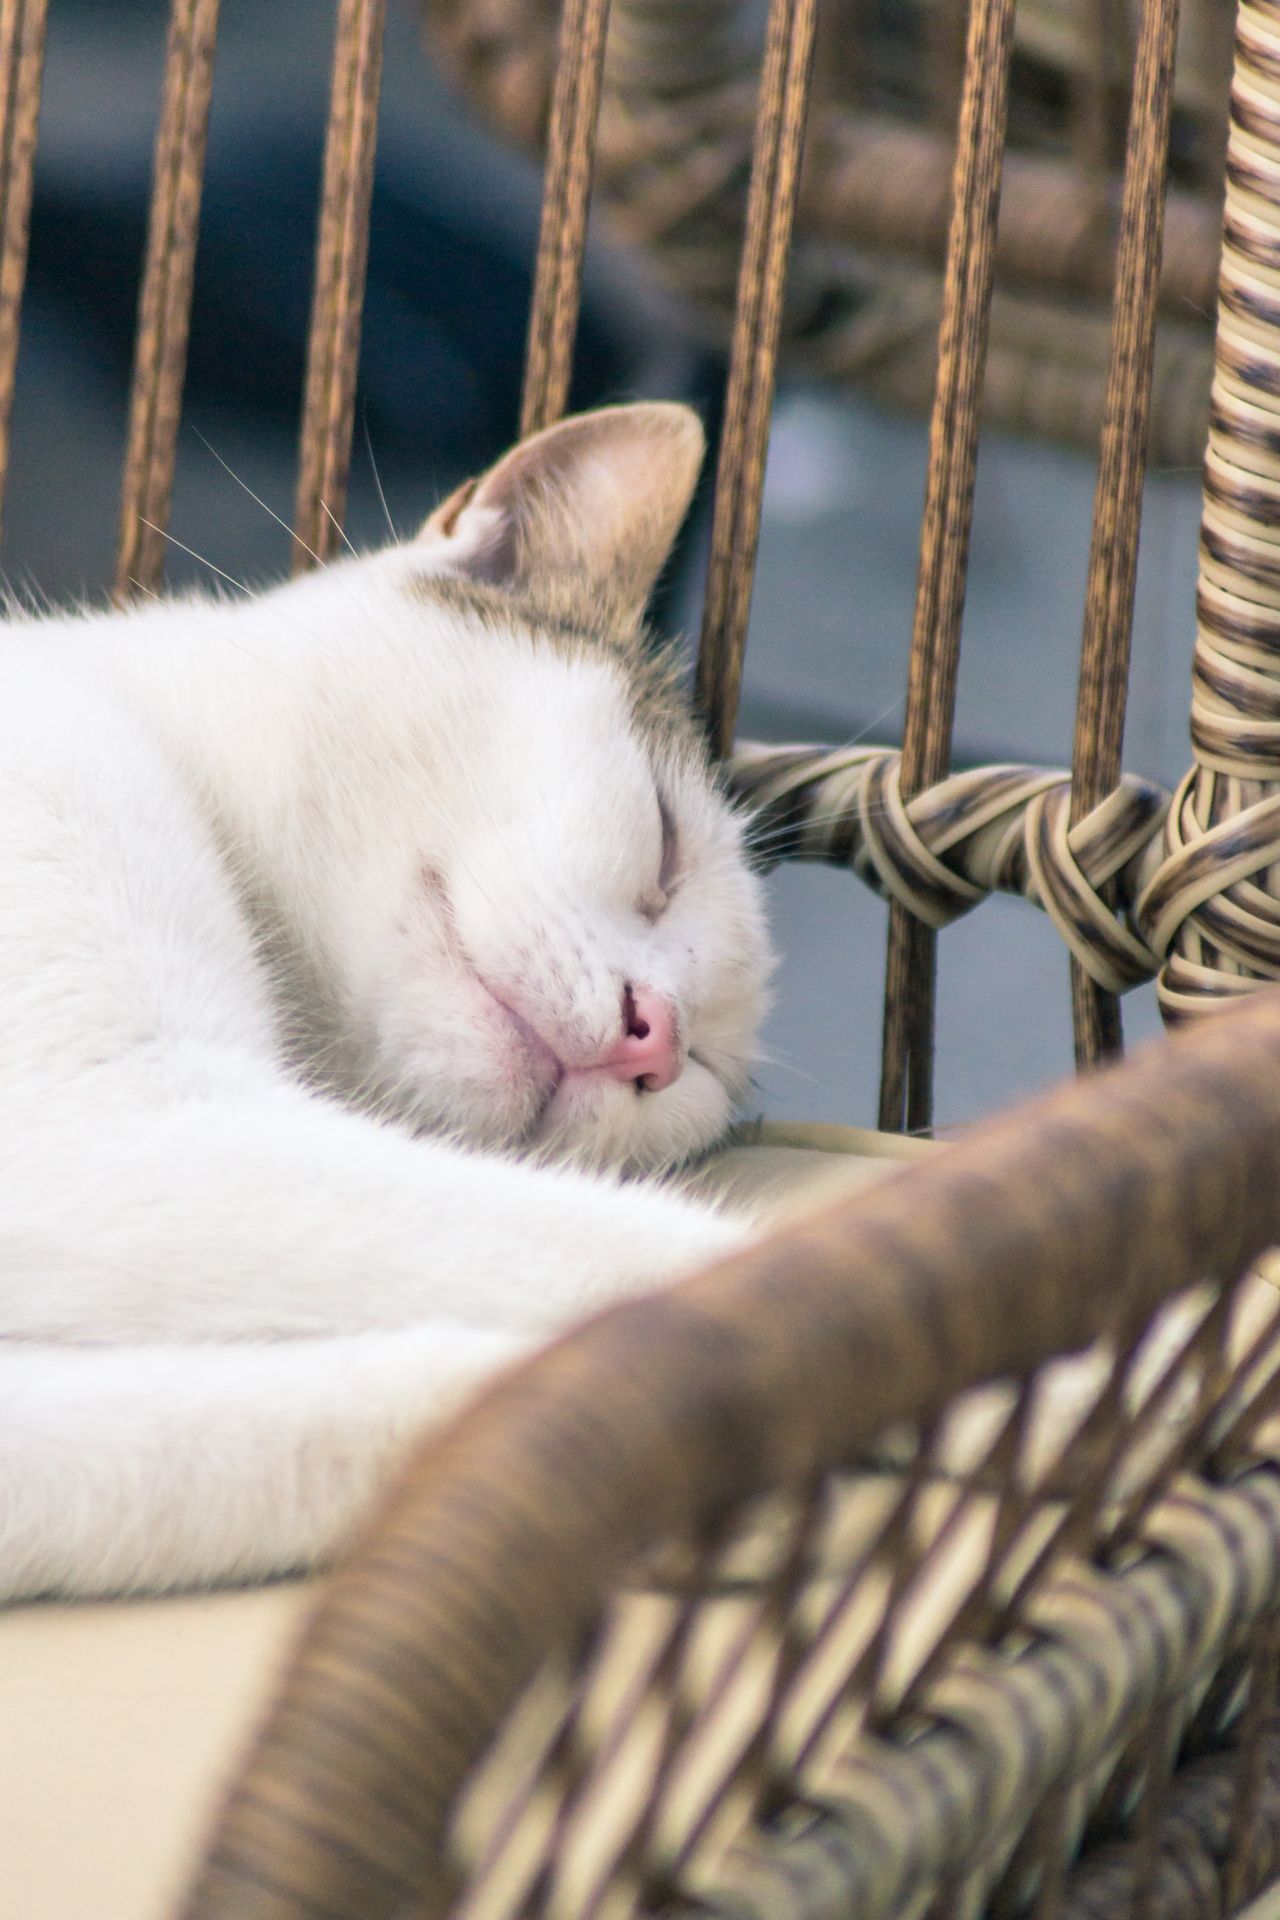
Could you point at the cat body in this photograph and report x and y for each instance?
(352, 940)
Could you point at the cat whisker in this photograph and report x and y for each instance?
(377, 477)
(259, 501)
(856, 739)
(777, 1064)
(339, 528)
(25, 598)
(728, 1081)
(255, 497)
(768, 836)
(174, 541)
(225, 638)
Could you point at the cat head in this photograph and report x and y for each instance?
(559, 947)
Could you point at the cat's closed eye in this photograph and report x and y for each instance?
(654, 904)
(670, 861)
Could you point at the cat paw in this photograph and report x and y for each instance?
(656, 1238)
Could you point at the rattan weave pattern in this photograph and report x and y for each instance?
(864, 292)
(22, 34)
(342, 244)
(1203, 912)
(164, 307)
(1224, 813)
(1130, 888)
(1205, 915)
(1066, 1570)
(1003, 828)
(772, 1673)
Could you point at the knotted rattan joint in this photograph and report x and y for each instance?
(1142, 886)
(992, 829)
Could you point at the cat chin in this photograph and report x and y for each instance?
(582, 1120)
(599, 1125)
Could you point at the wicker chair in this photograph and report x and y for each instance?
(924, 1561)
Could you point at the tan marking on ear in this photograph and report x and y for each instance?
(596, 500)
(445, 518)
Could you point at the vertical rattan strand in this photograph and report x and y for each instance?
(164, 303)
(328, 409)
(22, 24)
(906, 1085)
(735, 529)
(562, 238)
(1117, 509)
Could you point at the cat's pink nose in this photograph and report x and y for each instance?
(649, 1049)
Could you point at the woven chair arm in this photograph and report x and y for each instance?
(1142, 886)
(653, 1421)
(990, 829)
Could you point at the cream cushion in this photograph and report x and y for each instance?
(121, 1723)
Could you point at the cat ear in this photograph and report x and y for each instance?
(597, 499)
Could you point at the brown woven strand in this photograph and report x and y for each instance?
(1100, 1685)
(886, 183)
(164, 304)
(1117, 510)
(1229, 937)
(557, 286)
(1122, 886)
(1106, 1692)
(735, 527)
(1099, 1704)
(328, 410)
(992, 829)
(906, 1083)
(648, 1423)
(22, 31)
(1192, 1850)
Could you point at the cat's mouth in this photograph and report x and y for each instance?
(544, 1065)
(560, 1087)
(557, 1087)
(540, 1065)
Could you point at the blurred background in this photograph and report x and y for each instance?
(452, 242)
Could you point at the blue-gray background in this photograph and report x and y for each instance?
(452, 239)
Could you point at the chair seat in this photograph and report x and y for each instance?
(121, 1722)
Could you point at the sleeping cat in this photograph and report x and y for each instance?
(330, 922)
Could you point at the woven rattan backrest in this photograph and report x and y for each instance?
(1134, 887)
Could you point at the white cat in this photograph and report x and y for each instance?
(315, 911)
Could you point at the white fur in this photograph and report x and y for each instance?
(271, 874)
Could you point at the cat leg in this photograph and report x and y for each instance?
(278, 1214)
(137, 1469)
